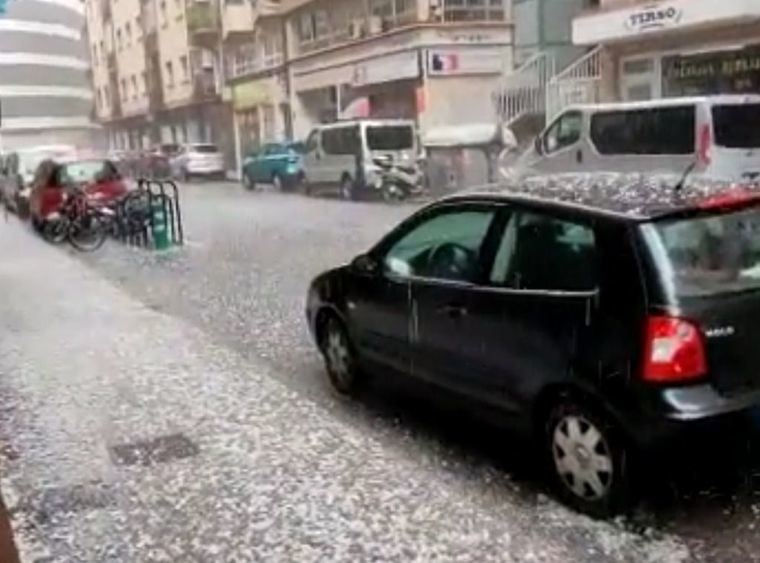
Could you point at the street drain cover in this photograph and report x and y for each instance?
(157, 450)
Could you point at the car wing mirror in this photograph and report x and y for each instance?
(366, 265)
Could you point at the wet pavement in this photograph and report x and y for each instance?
(172, 407)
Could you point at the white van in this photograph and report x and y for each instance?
(341, 156)
(720, 135)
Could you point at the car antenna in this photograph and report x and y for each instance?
(685, 176)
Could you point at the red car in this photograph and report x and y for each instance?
(99, 178)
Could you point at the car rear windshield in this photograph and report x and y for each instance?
(736, 126)
(708, 255)
(87, 171)
(390, 137)
(204, 148)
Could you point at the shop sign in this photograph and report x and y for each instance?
(712, 73)
(388, 68)
(250, 94)
(653, 17)
(452, 61)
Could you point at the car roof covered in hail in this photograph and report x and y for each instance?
(636, 197)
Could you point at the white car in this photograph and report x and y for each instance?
(198, 160)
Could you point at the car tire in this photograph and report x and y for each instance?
(587, 458)
(347, 188)
(338, 353)
(248, 182)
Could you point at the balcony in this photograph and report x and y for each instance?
(203, 29)
(242, 65)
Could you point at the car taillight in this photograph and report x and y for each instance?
(673, 351)
(704, 149)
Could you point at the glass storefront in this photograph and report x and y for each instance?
(722, 72)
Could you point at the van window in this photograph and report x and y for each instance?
(390, 137)
(669, 130)
(737, 126)
(341, 140)
(564, 132)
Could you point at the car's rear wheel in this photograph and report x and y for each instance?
(588, 459)
(338, 353)
(347, 188)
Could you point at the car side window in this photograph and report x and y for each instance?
(446, 246)
(540, 252)
(564, 132)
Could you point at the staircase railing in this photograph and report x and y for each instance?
(523, 91)
(579, 83)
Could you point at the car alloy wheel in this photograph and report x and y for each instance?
(589, 459)
(339, 359)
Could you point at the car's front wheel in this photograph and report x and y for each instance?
(338, 353)
(248, 182)
(588, 459)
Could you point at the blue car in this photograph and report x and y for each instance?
(279, 164)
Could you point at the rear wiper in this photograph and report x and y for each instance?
(685, 176)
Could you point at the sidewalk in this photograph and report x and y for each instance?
(133, 438)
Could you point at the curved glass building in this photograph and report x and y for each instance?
(45, 87)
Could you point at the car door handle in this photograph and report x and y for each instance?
(453, 310)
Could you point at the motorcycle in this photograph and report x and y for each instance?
(399, 182)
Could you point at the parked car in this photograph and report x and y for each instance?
(717, 133)
(18, 174)
(277, 163)
(605, 316)
(198, 160)
(340, 157)
(99, 178)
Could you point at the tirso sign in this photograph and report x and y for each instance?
(654, 17)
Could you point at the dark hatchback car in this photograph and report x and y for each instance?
(606, 316)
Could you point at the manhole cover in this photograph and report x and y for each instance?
(156, 450)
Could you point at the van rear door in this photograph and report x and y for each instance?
(736, 150)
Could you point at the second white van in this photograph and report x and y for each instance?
(718, 135)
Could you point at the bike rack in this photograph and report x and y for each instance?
(145, 214)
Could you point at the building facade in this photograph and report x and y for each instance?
(44, 84)
(674, 48)
(314, 61)
(156, 72)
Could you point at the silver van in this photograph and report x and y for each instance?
(342, 156)
(718, 135)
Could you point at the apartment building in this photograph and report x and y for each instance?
(44, 83)
(313, 61)
(156, 72)
(673, 48)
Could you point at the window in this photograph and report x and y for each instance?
(474, 10)
(390, 138)
(341, 140)
(128, 33)
(446, 246)
(143, 83)
(162, 8)
(710, 254)
(169, 74)
(123, 89)
(566, 131)
(95, 54)
(119, 42)
(736, 126)
(311, 141)
(138, 28)
(668, 130)
(134, 87)
(184, 68)
(539, 252)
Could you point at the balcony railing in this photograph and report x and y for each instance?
(205, 87)
(243, 66)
